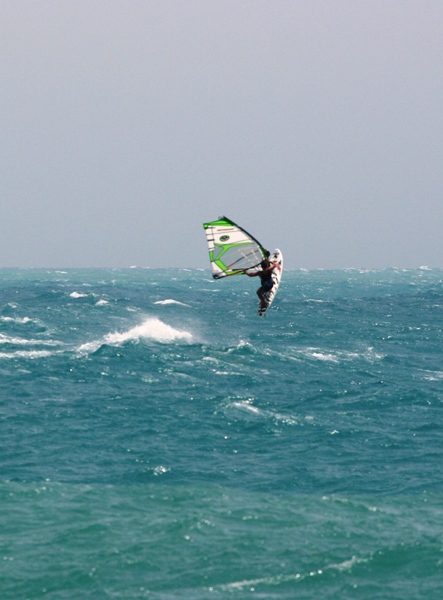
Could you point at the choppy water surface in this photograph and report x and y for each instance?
(161, 441)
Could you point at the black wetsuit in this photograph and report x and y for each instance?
(266, 280)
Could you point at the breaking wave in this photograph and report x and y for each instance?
(170, 301)
(151, 329)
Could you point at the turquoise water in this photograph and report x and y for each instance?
(161, 441)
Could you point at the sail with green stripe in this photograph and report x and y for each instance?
(231, 248)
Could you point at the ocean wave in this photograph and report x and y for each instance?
(347, 565)
(248, 408)
(272, 580)
(15, 341)
(170, 301)
(28, 354)
(320, 355)
(337, 356)
(151, 329)
(243, 347)
(18, 320)
(101, 303)
(433, 375)
(277, 580)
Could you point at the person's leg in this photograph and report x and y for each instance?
(261, 295)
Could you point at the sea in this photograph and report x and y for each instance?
(159, 440)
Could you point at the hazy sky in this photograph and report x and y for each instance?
(315, 124)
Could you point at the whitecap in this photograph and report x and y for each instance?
(90, 347)
(16, 319)
(340, 355)
(170, 301)
(4, 339)
(151, 329)
(433, 375)
(322, 356)
(160, 470)
(101, 303)
(347, 565)
(78, 295)
(247, 405)
(27, 354)
(371, 355)
(270, 580)
(243, 345)
(285, 419)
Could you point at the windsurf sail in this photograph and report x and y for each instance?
(231, 248)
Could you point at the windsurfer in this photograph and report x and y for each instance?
(265, 275)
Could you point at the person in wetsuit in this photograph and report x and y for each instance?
(266, 278)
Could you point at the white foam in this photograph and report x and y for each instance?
(323, 356)
(4, 339)
(340, 355)
(152, 329)
(247, 405)
(90, 347)
(101, 303)
(78, 295)
(170, 301)
(16, 319)
(26, 354)
(271, 580)
(347, 565)
(433, 375)
(160, 470)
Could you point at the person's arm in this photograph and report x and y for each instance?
(270, 268)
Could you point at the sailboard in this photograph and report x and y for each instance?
(277, 258)
(232, 250)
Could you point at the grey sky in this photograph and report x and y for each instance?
(317, 125)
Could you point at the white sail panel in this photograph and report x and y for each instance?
(231, 248)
